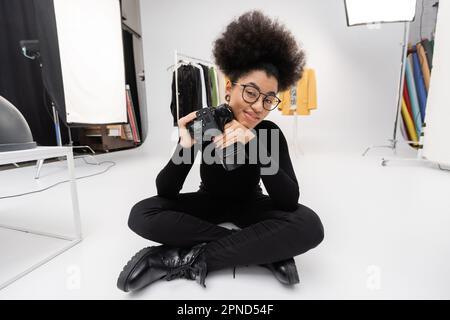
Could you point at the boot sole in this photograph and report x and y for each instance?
(292, 273)
(129, 268)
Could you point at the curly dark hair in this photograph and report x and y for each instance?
(254, 42)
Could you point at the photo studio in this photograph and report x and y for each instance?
(172, 150)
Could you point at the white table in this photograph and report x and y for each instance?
(38, 154)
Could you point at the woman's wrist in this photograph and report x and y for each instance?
(185, 145)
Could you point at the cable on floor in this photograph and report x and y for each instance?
(112, 164)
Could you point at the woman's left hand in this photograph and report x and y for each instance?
(234, 131)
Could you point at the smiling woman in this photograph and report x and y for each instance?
(260, 58)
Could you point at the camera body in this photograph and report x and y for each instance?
(212, 120)
(208, 119)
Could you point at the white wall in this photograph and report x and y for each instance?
(357, 68)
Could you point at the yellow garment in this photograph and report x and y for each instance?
(306, 98)
(408, 122)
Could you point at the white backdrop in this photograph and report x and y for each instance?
(357, 68)
(437, 118)
(91, 51)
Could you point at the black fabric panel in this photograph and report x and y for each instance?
(48, 40)
(20, 77)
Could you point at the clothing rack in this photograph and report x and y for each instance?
(209, 63)
(296, 143)
(184, 58)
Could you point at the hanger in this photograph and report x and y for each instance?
(191, 60)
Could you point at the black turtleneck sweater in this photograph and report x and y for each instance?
(282, 187)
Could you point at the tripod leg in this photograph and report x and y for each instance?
(39, 164)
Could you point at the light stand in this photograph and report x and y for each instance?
(31, 50)
(393, 141)
(296, 144)
(377, 11)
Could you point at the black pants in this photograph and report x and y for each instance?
(267, 233)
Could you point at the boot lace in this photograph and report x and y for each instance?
(191, 272)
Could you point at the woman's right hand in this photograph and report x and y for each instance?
(186, 141)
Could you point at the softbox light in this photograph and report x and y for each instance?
(92, 61)
(82, 55)
(360, 12)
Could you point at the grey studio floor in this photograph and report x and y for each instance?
(386, 232)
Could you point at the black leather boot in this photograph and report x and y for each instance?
(163, 262)
(285, 271)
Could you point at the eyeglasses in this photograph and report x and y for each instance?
(250, 94)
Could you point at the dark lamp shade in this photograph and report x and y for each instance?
(15, 134)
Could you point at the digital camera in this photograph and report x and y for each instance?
(211, 122)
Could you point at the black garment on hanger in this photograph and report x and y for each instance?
(189, 92)
(207, 84)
